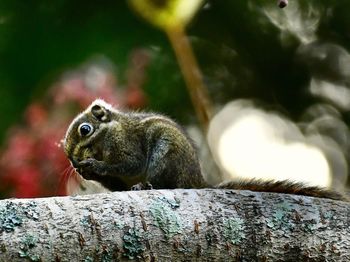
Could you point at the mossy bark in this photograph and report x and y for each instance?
(175, 225)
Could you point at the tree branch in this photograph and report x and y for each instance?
(175, 225)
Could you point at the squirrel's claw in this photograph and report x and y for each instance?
(142, 186)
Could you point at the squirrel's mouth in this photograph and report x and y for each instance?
(83, 170)
(76, 167)
(74, 163)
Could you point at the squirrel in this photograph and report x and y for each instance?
(135, 151)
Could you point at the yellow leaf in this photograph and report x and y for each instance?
(166, 14)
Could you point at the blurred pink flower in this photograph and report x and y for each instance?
(33, 163)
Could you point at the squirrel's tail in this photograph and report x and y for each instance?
(284, 186)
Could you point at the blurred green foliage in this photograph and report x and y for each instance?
(41, 39)
(239, 49)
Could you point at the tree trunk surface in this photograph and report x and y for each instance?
(175, 225)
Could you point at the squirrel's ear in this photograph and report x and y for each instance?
(100, 112)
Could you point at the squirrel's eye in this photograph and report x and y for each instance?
(85, 129)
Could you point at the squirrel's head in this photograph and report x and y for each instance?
(83, 134)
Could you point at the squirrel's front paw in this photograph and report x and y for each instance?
(91, 168)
